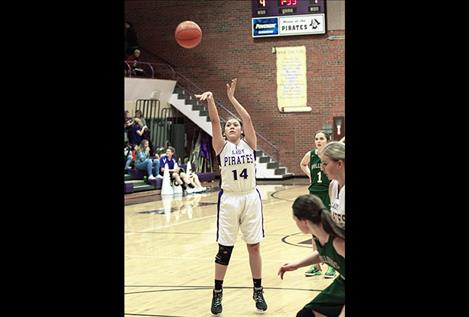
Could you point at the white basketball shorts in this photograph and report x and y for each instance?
(239, 211)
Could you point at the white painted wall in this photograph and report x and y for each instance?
(146, 88)
(200, 121)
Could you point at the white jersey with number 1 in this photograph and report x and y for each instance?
(238, 167)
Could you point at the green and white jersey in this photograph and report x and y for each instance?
(319, 180)
(330, 256)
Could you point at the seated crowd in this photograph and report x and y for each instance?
(139, 154)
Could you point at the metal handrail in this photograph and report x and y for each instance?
(163, 71)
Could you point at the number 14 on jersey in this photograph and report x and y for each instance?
(244, 174)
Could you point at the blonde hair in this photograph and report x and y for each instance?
(141, 148)
(335, 150)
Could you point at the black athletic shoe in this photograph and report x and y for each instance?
(216, 302)
(261, 305)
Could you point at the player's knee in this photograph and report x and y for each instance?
(305, 313)
(254, 248)
(224, 254)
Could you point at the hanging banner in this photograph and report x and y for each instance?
(291, 79)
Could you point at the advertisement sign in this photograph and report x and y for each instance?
(264, 27)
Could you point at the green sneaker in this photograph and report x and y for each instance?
(313, 271)
(330, 273)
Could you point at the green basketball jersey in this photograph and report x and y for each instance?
(319, 181)
(330, 256)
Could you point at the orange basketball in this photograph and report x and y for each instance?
(188, 34)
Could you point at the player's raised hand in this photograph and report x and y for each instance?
(204, 96)
(230, 89)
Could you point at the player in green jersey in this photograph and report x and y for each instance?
(319, 186)
(311, 217)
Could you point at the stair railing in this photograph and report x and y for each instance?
(150, 70)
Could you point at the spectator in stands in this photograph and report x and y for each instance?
(144, 162)
(136, 132)
(127, 119)
(145, 131)
(139, 114)
(129, 156)
(127, 123)
(192, 180)
(132, 60)
(173, 166)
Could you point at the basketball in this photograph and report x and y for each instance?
(188, 34)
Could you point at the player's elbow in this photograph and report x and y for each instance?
(247, 119)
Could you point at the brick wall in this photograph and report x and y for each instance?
(228, 50)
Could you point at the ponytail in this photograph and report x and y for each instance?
(330, 226)
(310, 207)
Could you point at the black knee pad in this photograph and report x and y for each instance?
(305, 313)
(224, 254)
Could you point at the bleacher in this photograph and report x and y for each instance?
(136, 180)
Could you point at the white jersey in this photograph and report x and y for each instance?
(338, 204)
(237, 167)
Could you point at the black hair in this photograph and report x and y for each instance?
(327, 135)
(310, 207)
(223, 125)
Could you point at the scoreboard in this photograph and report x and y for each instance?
(288, 17)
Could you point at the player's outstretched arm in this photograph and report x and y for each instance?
(249, 132)
(217, 137)
(312, 259)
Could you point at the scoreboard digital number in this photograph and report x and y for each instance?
(288, 17)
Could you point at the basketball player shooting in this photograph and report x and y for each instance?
(238, 188)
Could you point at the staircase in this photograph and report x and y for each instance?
(197, 112)
(191, 107)
(266, 168)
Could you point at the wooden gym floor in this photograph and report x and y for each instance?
(170, 249)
